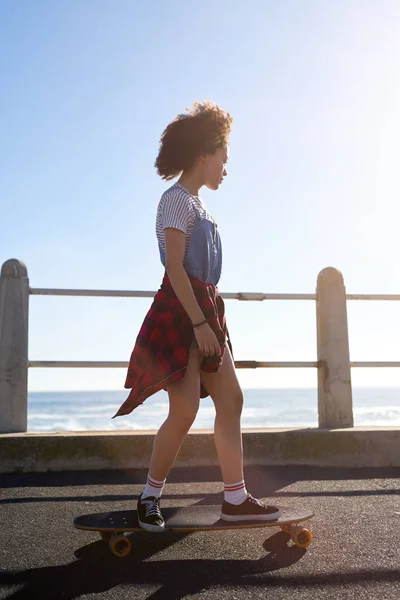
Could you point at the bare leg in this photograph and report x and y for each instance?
(184, 398)
(227, 395)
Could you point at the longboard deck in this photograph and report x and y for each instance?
(185, 518)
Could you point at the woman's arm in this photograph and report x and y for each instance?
(175, 252)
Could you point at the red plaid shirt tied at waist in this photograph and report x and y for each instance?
(161, 352)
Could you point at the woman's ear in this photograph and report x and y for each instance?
(202, 158)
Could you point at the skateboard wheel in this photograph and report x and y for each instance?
(105, 536)
(302, 537)
(286, 528)
(119, 545)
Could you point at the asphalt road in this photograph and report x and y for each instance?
(355, 552)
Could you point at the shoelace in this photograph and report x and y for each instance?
(255, 501)
(152, 507)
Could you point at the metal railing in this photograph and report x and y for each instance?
(333, 363)
(242, 296)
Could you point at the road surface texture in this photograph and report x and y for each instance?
(355, 553)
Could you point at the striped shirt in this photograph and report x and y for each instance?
(178, 209)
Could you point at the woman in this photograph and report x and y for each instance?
(183, 345)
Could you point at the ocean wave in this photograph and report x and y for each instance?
(102, 408)
(262, 408)
(377, 416)
(72, 426)
(378, 410)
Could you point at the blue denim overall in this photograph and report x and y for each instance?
(203, 258)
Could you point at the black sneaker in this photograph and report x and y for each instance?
(250, 510)
(149, 514)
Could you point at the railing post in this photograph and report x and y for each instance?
(335, 405)
(14, 303)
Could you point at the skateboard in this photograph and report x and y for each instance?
(113, 525)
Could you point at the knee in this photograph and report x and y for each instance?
(184, 417)
(238, 402)
(233, 405)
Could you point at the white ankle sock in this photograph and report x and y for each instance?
(235, 493)
(153, 487)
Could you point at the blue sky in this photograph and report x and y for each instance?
(86, 89)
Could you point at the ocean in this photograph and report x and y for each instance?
(85, 411)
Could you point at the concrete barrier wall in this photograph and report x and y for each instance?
(349, 447)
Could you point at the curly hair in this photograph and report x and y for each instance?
(202, 129)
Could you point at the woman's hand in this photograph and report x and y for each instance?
(207, 340)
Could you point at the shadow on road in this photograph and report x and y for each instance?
(96, 570)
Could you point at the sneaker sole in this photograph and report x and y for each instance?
(232, 518)
(152, 528)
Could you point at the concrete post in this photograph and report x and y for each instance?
(14, 302)
(335, 405)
